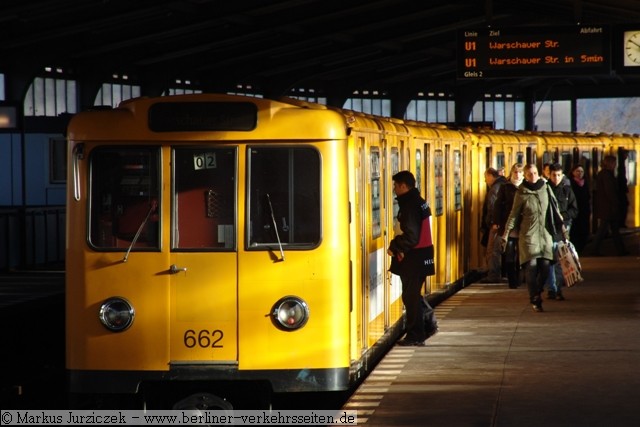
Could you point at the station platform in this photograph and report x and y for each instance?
(497, 363)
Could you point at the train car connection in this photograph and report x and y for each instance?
(221, 247)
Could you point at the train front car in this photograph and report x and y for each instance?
(207, 254)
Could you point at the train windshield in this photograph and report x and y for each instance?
(284, 197)
(124, 198)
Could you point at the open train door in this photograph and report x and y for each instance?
(203, 264)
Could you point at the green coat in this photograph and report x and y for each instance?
(528, 215)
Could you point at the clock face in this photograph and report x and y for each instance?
(631, 48)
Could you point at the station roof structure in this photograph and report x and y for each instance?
(400, 47)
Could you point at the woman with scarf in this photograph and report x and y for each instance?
(580, 229)
(502, 208)
(530, 213)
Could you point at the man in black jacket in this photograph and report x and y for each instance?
(493, 255)
(412, 254)
(568, 206)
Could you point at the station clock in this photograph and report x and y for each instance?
(631, 48)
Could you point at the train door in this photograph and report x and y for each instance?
(449, 223)
(439, 220)
(393, 288)
(203, 255)
(456, 224)
(423, 174)
(360, 232)
(465, 226)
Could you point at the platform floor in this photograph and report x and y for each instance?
(495, 362)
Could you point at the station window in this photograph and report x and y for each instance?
(610, 115)
(182, 91)
(246, 90)
(182, 87)
(369, 102)
(51, 95)
(309, 95)
(284, 197)
(552, 116)
(431, 108)
(113, 93)
(502, 110)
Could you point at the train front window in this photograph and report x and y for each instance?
(124, 198)
(204, 200)
(284, 197)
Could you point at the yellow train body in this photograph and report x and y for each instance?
(242, 239)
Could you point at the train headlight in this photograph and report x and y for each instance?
(290, 313)
(116, 314)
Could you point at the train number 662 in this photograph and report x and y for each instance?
(203, 338)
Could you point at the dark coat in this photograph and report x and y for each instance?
(607, 196)
(581, 229)
(413, 218)
(567, 204)
(490, 202)
(503, 205)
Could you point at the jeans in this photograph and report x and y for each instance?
(555, 279)
(536, 272)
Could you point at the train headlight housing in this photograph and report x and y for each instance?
(116, 314)
(290, 313)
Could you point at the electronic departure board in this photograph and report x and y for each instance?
(533, 51)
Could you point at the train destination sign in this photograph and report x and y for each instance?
(533, 51)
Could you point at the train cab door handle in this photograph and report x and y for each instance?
(174, 269)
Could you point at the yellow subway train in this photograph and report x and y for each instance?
(223, 248)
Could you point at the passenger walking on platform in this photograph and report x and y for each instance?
(501, 211)
(535, 245)
(493, 254)
(607, 207)
(580, 228)
(568, 207)
(412, 254)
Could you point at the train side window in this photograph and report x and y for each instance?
(124, 195)
(283, 197)
(500, 160)
(395, 168)
(438, 169)
(204, 198)
(457, 179)
(632, 164)
(374, 176)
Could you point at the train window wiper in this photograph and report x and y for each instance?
(275, 227)
(152, 208)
